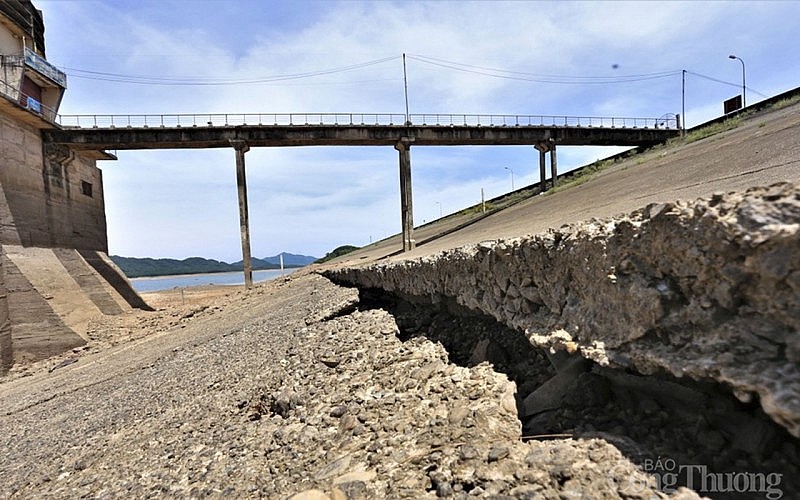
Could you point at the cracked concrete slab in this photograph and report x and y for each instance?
(705, 289)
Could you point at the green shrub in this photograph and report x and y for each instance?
(337, 252)
(713, 129)
(783, 103)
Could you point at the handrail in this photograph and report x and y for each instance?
(358, 119)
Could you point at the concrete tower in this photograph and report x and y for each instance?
(55, 274)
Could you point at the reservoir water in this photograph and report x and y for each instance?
(157, 283)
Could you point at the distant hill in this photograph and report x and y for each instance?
(289, 260)
(337, 252)
(135, 267)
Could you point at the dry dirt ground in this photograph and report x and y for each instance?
(293, 388)
(300, 387)
(173, 308)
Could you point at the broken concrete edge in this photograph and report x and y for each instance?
(706, 289)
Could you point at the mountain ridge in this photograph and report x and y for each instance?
(140, 267)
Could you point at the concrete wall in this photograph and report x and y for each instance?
(9, 44)
(53, 240)
(51, 197)
(50, 296)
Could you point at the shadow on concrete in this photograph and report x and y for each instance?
(115, 279)
(37, 331)
(88, 281)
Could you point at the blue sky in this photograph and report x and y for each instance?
(538, 58)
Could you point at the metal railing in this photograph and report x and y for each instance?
(357, 119)
(40, 64)
(452, 120)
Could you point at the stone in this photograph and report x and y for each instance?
(310, 495)
(467, 452)
(497, 453)
(550, 394)
(350, 490)
(334, 468)
(338, 411)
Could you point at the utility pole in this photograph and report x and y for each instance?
(512, 177)
(683, 102)
(405, 91)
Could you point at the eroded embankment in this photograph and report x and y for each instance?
(673, 309)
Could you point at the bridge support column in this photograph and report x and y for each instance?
(542, 149)
(241, 148)
(403, 146)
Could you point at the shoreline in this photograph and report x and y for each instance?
(189, 275)
(152, 284)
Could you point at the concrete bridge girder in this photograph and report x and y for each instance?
(344, 135)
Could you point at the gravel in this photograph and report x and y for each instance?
(289, 390)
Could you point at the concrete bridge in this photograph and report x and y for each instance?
(243, 131)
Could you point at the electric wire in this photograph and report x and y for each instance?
(564, 79)
(202, 81)
(540, 78)
(717, 80)
(432, 61)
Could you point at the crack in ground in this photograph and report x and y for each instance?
(699, 428)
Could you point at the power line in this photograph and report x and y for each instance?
(203, 81)
(541, 78)
(452, 65)
(717, 80)
(562, 79)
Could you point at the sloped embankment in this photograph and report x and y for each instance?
(687, 312)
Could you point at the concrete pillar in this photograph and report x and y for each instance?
(542, 149)
(406, 206)
(6, 349)
(553, 164)
(241, 148)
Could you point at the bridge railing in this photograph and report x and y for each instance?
(229, 119)
(452, 120)
(367, 119)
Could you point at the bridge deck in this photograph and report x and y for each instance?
(175, 137)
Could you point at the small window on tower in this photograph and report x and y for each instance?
(86, 188)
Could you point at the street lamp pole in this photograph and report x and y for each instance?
(683, 102)
(512, 177)
(744, 98)
(440, 208)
